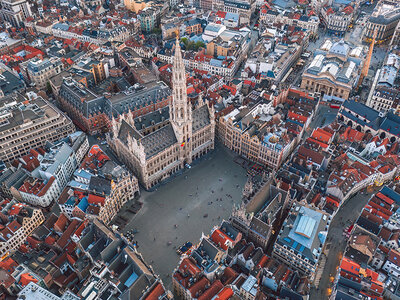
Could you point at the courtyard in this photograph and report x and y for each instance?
(184, 208)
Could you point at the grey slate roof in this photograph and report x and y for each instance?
(361, 109)
(259, 227)
(15, 179)
(154, 142)
(10, 83)
(100, 185)
(136, 290)
(20, 113)
(152, 118)
(127, 130)
(159, 140)
(200, 117)
(121, 103)
(208, 249)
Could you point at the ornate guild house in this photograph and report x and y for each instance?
(160, 143)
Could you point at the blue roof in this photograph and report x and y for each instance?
(249, 283)
(295, 122)
(79, 185)
(304, 18)
(305, 226)
(232, 16)
(343, 1)
(361, 109)
(284, 3)
(61, 26)
(351, 117)
(391, 123)
(71, 201)
(213, 27)
(131, 279)
(83, 204)
(197, 38)
(216, 62)
(83, 173)
(322, 236)
(270, 74)
(391, 194)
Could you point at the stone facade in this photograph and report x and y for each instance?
(17, 232)
(334, 71)
(46, 123)
(15, 12)
(383, 20)
(158, 144)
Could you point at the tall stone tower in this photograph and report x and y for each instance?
(180, 110)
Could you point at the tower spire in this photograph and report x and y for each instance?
(180, 110)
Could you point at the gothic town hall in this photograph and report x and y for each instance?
(158, 144)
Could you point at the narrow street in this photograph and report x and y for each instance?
(336, 242)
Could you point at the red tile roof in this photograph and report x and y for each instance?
(352, 135)
(221, 14)
(15, 209)
(315, 157)
(94, 199)
(394, 257)
(34, 243)
(220, 239)
(61, 223)
(385, 233)
(8, 264)
(6, 279)
(36, 187)
(156, 292)
(263, 261)
(385, 198)
(50, 240)
(225, 294)
(333, 201)
(13, 226)
(322, 135)
(26, 278)
(348, 10)
(215, 287)
(187, 266)
(199, 287)
(62, 242)
(350, 266)
(229, 276)
(377, 287)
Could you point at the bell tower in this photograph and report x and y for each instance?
(180, 112)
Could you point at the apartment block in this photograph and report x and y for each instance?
(28, 123)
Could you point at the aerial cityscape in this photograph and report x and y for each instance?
(199, 149)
